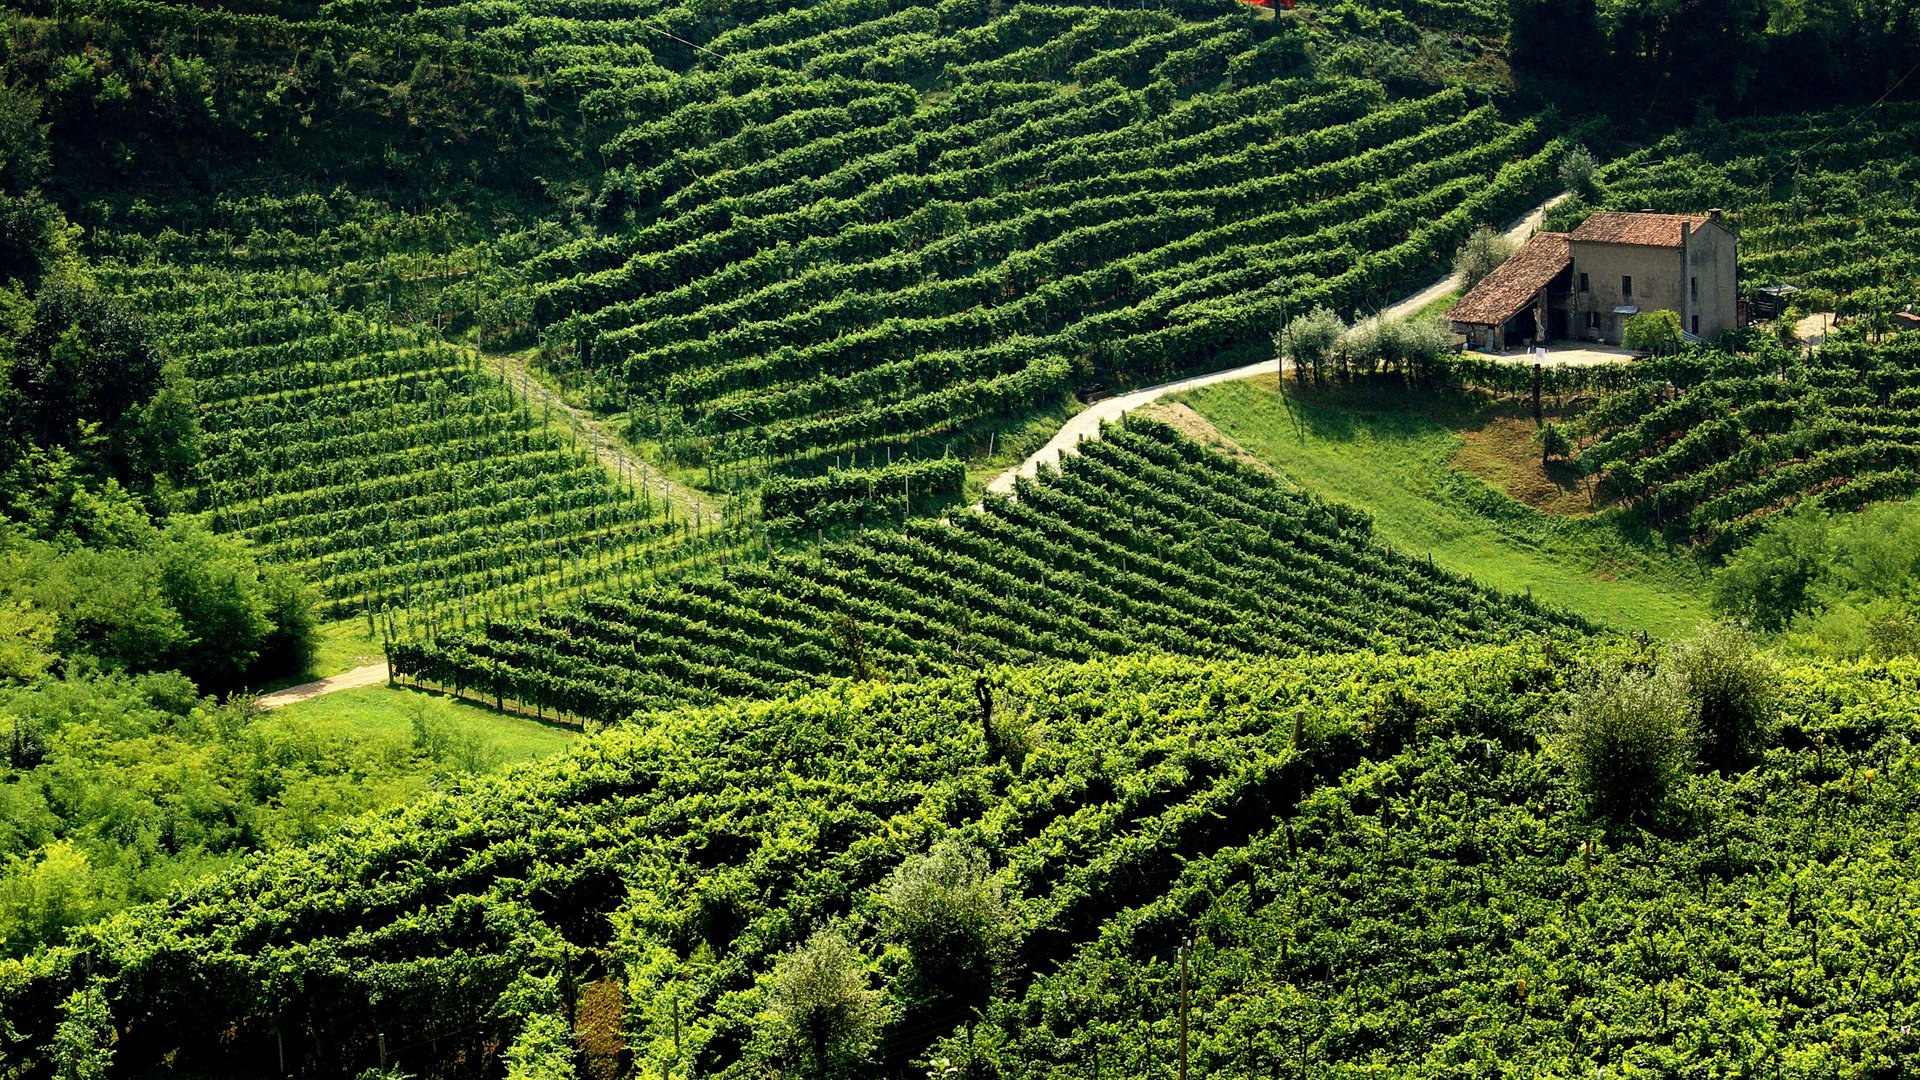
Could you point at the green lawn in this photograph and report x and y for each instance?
(477, 736)
(1389, 454)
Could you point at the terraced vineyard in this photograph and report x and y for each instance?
(1143, 542)
(866, 225)
(393, 470)
(1710, 445)
(724, 835)
(1825, 201)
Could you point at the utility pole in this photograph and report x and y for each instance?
(1186, 948)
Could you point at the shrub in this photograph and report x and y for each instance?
(1657, 332)
(1626, 736)
(1734, 690)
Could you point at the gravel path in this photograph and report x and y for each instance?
(368, 675)
(1086, 423)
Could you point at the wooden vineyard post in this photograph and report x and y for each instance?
(1186, 948)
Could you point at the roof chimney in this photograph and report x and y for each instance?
(1714, 215)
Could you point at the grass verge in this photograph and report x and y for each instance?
(398, 714)
(1394, 454)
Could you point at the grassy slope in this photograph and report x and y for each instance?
(1392, 459)
(387, 713)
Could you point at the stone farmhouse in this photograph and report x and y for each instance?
(1584, 285)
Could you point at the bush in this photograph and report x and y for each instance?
(1657, 332)
(1626, 736)
(1734, 690)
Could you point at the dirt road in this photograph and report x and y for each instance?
(366, 675)
(1086, 423)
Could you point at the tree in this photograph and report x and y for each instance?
(1657, 332)
(1626, 735)
(1576, 172)
(822, 1016)
(23, 138)
(1770, 581)
(85, 366)
(26, 639)
(946, 907)
(223, 607)
(1310, 341)
(83, 1043)
(1481, 255)
(1734, 689)
(1555, 41)
(1426, 345)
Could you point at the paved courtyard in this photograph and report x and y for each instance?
(1566, 354)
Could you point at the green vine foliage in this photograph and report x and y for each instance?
(1378, 864)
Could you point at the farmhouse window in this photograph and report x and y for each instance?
(1583, 283)
(1693, 288)
(1626, 285)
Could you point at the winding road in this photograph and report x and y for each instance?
(1086, 423)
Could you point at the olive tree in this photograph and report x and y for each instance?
(822, 1017)
(1734, 689)
(1481, 255)
(948, 909)
(1626, 736)
(1311, 341)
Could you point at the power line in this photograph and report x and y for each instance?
(644, 24)
(1835, 133)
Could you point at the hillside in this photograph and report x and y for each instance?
(616, 382)
(1142, 542)
(1378, 865)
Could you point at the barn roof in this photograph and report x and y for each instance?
(1647, 230)
(1500, 295)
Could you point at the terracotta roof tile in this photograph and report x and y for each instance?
(1647, 230)
(1500, 295)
